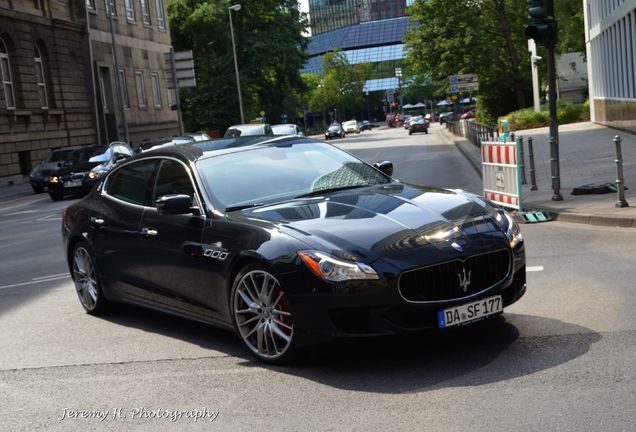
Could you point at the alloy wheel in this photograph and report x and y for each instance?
(85, 278)
(262, 314)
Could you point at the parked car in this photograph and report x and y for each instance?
(39, 176)
(335, 131)
(83, 167)
(419, 124)
(290, 242)
(468, 115)
(248, 129)
(351, 126)
(365, 125)
(446, 117)
(287, 129)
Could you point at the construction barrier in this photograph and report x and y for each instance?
(501, 173)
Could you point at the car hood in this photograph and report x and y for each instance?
(379, 221)
(77, 168)
(46, 168)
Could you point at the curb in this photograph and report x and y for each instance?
(562, 216)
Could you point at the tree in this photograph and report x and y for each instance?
(341, 85)
(270, 46)
(485, 37)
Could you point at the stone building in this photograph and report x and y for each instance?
(45, 93)
(50, 99)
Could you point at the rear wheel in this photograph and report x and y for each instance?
(262, 315)
(87, 282)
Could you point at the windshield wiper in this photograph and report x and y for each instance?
(329, 190)
(242, 207)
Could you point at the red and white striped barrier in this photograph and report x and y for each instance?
(501, 173)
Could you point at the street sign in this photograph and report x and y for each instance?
(398, 72)
(465, 78)
(465, 87)
(180, 65)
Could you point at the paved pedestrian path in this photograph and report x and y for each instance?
(587, 156)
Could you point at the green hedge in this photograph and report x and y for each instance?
(566, 113)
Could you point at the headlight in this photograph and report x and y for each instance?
(95, 174)
(511, 228)
(54, 179)
(333, 269)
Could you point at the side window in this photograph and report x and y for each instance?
(132, 183)
(172, 179)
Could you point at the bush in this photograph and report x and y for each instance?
(566, 113)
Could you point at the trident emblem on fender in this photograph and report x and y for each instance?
(464, 279)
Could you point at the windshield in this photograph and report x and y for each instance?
(88, 154)
(58, 156)
(273, 174)
(334, 128)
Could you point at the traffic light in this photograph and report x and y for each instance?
(543, 26)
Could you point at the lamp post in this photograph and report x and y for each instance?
(236, 8)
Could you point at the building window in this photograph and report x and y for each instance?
(110, 5)
(161, 15)
(141, 89)
(145, 12)
(130, 10)
(90, 4)
(7, 78)
(156, 90)
(124, 86)
(40, 77)
(171, 99)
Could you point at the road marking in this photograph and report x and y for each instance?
(49, 218)
(50, 276)
(34, 282)
(21, 212)
(534, 268)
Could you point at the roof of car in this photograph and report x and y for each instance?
(201, 150)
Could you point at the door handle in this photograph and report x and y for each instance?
(149, 231)
(97, 220)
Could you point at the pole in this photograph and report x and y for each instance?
(620, 181)
(120, 90)
(176, 90)
(238, 80)
(533, 178)
(368, 110)
(93, 82)
(532, 47)
(554, 126)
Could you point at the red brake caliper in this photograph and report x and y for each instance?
(283, 305)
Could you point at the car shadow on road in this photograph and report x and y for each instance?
(487, 352)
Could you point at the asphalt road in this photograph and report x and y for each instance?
(562, 358)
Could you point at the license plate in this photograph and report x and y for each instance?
(72, 183)
(469, 312)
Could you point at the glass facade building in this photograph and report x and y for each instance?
(379, 42)
(327, 15)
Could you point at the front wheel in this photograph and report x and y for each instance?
(262, 315)
(55, 194)
(87, 281)
(37, 189)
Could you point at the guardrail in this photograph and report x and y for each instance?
(473, 131)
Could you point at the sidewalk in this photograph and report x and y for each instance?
(587, 155)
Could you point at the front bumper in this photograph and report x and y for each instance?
(376, 308)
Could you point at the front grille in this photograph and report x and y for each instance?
(448, 281)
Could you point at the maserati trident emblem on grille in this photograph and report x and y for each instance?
(464, 279)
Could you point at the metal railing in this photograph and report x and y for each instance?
(473, 131)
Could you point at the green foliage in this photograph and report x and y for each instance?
(566, 113)
(569, 15)
(341, 85)
(270, 50)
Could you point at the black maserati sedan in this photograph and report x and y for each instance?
(290, 242)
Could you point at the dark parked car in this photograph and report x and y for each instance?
(365, 125)
(39, 176)
(446, 117)
(418, 124)
(335, 131)
(290, 242)
(83, 167)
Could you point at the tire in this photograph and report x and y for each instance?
(273, 316)
(87, 280)
(37, 189)
(410, 132)
(56, 195)
(426, 131)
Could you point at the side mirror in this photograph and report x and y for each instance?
(174, 204)
(120, 156)
(385, 167)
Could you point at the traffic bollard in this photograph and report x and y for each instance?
(620, 181)
(533, 178)
(522, 161)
